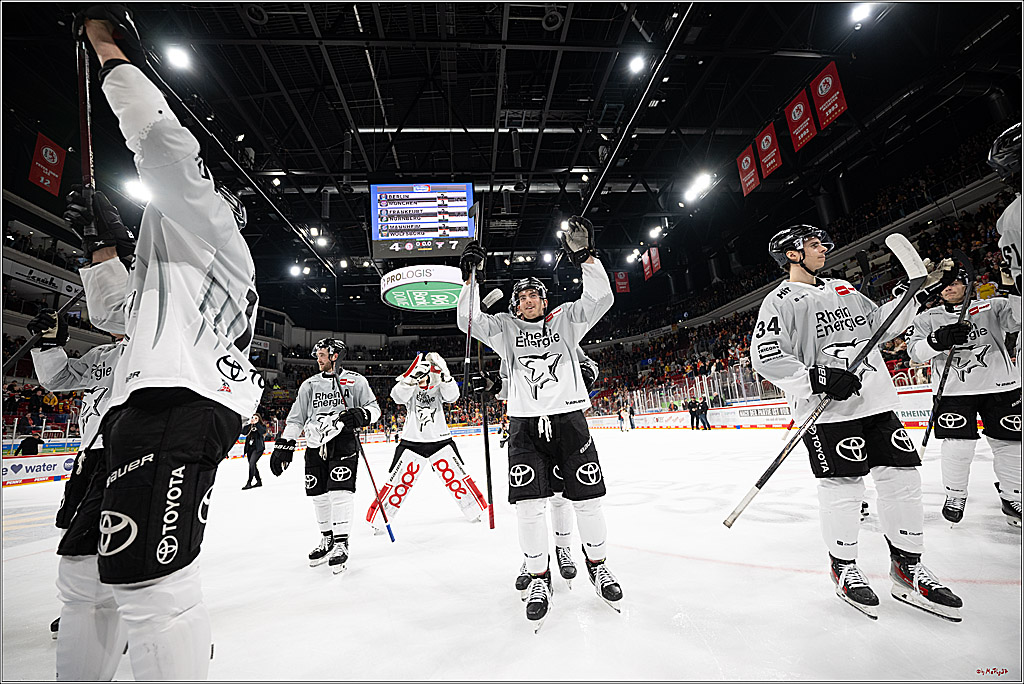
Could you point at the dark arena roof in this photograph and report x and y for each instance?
(539, 106)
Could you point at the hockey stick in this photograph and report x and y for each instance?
(962, 259)
(366, 462)
(487, 438)
(917, 273)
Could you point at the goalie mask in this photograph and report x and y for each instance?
(794, 238)
(1004, 157)
(525, 284)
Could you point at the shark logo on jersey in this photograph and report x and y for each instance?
(425, 414)
(967, 359)
(542, 370)
(847, 351)
(92, 398)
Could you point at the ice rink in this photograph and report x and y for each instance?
(701, 602)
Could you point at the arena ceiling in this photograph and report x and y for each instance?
(328, 98)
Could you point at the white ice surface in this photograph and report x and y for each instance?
(702, 602)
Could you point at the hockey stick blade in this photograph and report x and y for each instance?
(908, 256)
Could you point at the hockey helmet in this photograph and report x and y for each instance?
(332, 346)
(530, 283)
(793, 238)
(1004, 157)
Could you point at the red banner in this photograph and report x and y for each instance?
(801, 123)
(748, 170)
(621, 281)
(827, 92)
(646, 259)
(768, 151)
(47, 165)
(655, 260)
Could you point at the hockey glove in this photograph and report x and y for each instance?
(590, 372)
(125, 34)
(834, 382)
(488, 382)
(439, 366)
(948, 336)
(281, 457)
(110, 230)
(52, 328)
(419, 369)
(355, 417)
(472, 257)
(578, 240)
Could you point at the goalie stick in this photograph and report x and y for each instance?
(917, 273)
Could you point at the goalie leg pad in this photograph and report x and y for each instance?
(91, 638)
(396, 490)
(447, 465)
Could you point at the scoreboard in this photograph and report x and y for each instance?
(412, 220)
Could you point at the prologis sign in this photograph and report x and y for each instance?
(422, 288)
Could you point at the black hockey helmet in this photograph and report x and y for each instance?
(530, 283)
(332, 346)
(1004, 156)
(793, 238)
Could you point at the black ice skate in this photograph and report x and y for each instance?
(523, 582)
(54, 626)
(339, 555)
(318, 556)
(953, 509)
(539, 599)
(852, 587)
(913, 584)
(1011, 509)
(566, 568)
(604, 582)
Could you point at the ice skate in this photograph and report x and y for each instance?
(913, 584)
(54, 626)
(566, 567)
(523, 582)
(539, 599)
(852, 587)
(318, 556)
(1011, 509)
(953, 509)
(339, 556)
(604, 583)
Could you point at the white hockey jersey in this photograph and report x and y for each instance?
(319, 400)
(800, 325)
(424, 410)
(105, 286)
(983, 364)
(544, 369)
(1008, 225)
(502, 394)
(191, 300)
(93, 374)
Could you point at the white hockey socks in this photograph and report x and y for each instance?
(533, 533)
(593, 530)
(839, 500)
(322, 507)
(92, 636)
(1006, 460)
(342, 504)
(561, 520)
(448, 468)
(900, 508)
(168, 626)
(957, 455)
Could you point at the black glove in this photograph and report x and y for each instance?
(590, 372)
(355, 417)
(488, 382)
(473, 255)
(578, 240)
(125, 34)
(110, 230)
(53, 328)
(948, 336)
(834, 382)
(281, 457)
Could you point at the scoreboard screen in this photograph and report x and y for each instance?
(412, 220)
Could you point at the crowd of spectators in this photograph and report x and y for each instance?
(47, 251)
(29, 407)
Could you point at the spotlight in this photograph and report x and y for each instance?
(321, 242)
(861, 12)
(240, 137)
(276, 182)
(558, 234)
(295, 270)
(366, 264)
(305, 270)
(585, 178)
(547, 257)
(565, 225)
(343, 263)
(576, 281)
(656, 231)
(636, 64)
(314, 231)
(178, 57)
(323, 289)
(520, 258)
(136, 189)
(636, 252)
(507, 262)
(631, 258)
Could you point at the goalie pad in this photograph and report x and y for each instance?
(447, 465)
(396, 490)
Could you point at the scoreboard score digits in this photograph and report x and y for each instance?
(413, 220)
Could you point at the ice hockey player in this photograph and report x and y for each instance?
(1004, 157)
(807, 331)
(328, 407)
(180, 388)
(424, 389)
(982, 381)
(546, 400)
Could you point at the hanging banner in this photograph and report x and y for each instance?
(645, 258)
(47, 165)
(655, 260)
(800, 121)
(748, 170)
(828, 96)
(621, 281)
(768, 151)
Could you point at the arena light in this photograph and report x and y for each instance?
(178, 58)
(240, 137)
(700, 185)
(276, 182)
(366, 263)
(565, 225)
(656, 231)
(314, 231)
(861, 12)
(576, 281)
(584, 178)
(323, 289)
(343, 263)
(138, 190)
(636, 252)
(547, 257)
(631, 258)
(321, 242)
(636, 64)
(295, 270)
(305, 270)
